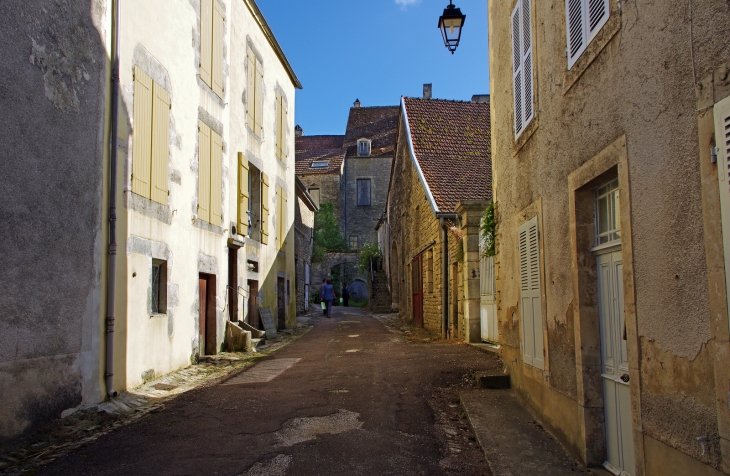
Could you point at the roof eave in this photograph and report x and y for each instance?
(259, 17)
(411, 150)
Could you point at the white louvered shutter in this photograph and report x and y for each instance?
(522, 66)
(530, 294)
(584, 19)
(722, 140)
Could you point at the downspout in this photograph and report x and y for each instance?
(445, 326)
(345, 208)
(112, 248)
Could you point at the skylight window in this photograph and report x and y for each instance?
(318, 164)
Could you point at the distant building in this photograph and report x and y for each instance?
(303, 242)
(318, 164)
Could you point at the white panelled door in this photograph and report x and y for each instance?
(615, 364)
(488, 301)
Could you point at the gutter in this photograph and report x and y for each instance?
(112, 247)
(259, 17)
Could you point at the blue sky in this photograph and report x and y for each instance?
(377, 51)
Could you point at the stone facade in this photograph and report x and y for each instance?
(303, 242)
(636, 108)
(360, 221)
(328, 186)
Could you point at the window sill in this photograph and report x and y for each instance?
(204, 225)
(152, 315)
(593, 50)
(526, 135)
(147, 207)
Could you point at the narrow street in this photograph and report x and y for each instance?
(353, 396)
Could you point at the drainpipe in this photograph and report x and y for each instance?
(112, 248)
(445, 271)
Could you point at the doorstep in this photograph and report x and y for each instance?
(514, 443)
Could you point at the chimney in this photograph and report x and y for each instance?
(357, 103)
(480, 98)
(427, 91)
(298, 131)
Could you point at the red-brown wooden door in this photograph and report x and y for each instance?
(417, 287)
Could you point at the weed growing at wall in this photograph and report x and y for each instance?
(486, 230)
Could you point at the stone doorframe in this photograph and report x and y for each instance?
(612, 162)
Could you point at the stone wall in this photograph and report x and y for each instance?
(303, 241)
(361, 220)
(328, 185)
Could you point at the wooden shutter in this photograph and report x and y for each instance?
(527, 61)
(278, 126)
(530, 294)
(217, 58)
(279, 220)
(206, 41)
(204, 141)
(243, 194)
(522, 77)
(584, 19)
(284, 128)
(142, 134)
(264, 209)
(160, 143)
(722, 141)
(259, 108)
(216, 179)
(517, 67)
(250, 88)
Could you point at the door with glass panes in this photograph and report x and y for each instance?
(612, 324)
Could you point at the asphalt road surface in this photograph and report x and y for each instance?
(352, 397)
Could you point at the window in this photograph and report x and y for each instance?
(151, 147)
(608, 215)
(429, 270)
(211, 45)
(265, 209)
(522, 65)
(282, 121)
(254, 92)
(584, 19)
(314, 193)
(354, 242)
(253, 201)
(158, 299)
(363, 192)
(281, 225)
(363, 147)
(320, 164)
(530, 294)
(210, 175)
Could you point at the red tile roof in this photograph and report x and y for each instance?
(452, 144)
(378, 124)
(311, 148)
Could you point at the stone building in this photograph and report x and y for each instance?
(303, 243)
(319, 165)
(612, 249)
(369, 141)
(440, 186)
(156, 253)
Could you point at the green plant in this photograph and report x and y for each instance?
(326, 232)
(486, 230)
(367, 254)
(460, 251)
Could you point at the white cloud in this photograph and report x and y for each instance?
(406, 3)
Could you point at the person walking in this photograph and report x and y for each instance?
(345, 294)
(321, 297)
(328, 295)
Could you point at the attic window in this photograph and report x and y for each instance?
(363, 147)
(318, 164)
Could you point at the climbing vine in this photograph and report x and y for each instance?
(486, 230)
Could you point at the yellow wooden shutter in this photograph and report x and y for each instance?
(203, 171)
(284, 225)
(250, 89)
(284, 126)
(278, 217)
(160, 143)
(259, 109)
(264, 209)
(142, 133)
(278, 126)
(243, 194)
(217, 61)
(206, 40)
(216, 179)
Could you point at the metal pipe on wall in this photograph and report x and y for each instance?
(112, 247)
(445, 327)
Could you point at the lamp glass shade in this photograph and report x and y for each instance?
(451, 24)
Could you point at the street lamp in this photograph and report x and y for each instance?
(450, 24)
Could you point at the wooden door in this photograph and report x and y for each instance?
(488, 299)
(615, 364)
(281, 303)
(232, 290)
(417, 287)
(253, 307)
(202, 309)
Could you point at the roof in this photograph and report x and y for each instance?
(451, 144)
(378, 124)
(259, 17)
(304, 194)
(311, 148)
